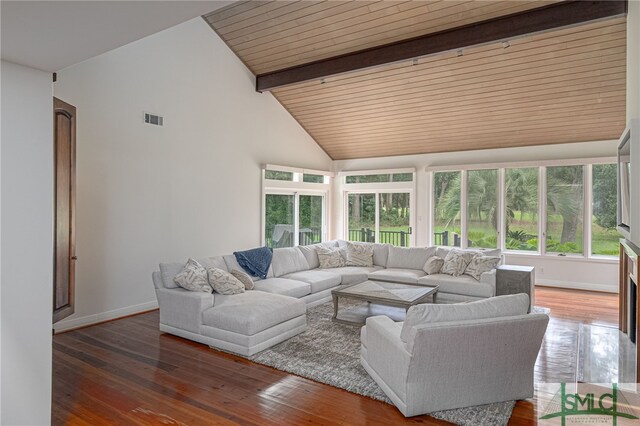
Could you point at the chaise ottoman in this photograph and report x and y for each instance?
(244, 324)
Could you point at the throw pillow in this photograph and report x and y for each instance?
(456, 262)
(481, 264)
(330, 258)
(223, 282)
(244, 278)
(433, 265)
(359, 254)
(193, 277)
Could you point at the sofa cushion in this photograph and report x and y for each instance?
(331, 257)
(481, 264)
(359, 254)
(252, 312)
(244, 278)
(381, 254)
(224, 282)
(354, 274)
(407, 276)
(311, 254)
(319, 280)
(433, 265)
(456, 262)
(283, 286)
(409, 258)
(168, 271)
(171, 269)
(494, 307)
(288, 260)
(463, 284)
(193, 277)
(232, 263)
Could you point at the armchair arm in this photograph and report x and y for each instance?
(387, 354)
(183, 309)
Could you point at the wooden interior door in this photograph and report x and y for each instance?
(64, 128)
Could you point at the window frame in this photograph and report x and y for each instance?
(378, 188)
(296, 187)
(587, 230)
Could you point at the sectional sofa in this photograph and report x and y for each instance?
(275, 309)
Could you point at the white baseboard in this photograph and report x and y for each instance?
(578, 285)
(103, 316)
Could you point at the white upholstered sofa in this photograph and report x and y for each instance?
(276, 309)
(455, 355)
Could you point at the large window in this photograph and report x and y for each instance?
(379, 206)
(294, 206)
(446, 210)
(557, 209)
(521, 209)
(604, 236)
(482, 208)
(391, 224)
(565, 204)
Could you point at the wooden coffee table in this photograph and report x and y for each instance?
(380, 293)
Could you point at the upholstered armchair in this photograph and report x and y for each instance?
(434, 361)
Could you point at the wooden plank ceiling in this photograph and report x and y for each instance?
(560, 86)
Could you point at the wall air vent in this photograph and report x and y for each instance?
(154, 119)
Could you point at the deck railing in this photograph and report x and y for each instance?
(368, 235)
(445, 238)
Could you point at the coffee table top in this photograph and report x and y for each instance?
(383, 291)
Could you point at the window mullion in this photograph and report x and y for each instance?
(542, 210)
(587, 209)
(296, 219)
(463, 209)
(501, 222)
(377, 218)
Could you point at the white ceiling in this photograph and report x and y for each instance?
(52, 35)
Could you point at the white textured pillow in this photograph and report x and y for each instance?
(433, 265)
(223, 282)
(330, 258)
(193, 277)
(244, 278)
(359, 254)
(456, 262)
(481, 264)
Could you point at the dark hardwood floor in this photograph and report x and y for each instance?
(127, 372)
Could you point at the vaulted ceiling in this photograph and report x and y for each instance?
(559, 86)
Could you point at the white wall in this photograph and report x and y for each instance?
(578, 273)
(147, 194)
(26, 226)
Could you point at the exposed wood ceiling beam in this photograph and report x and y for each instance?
(563, 14)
